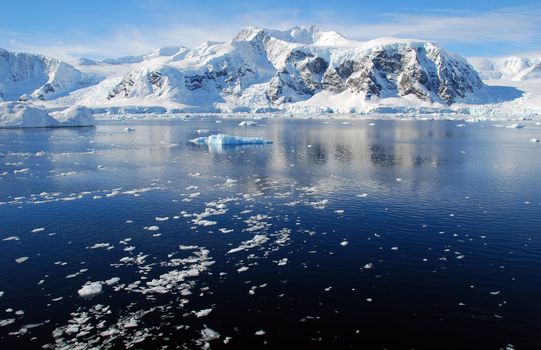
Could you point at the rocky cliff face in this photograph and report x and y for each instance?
(294, 65)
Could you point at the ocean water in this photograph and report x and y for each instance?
(372, 234)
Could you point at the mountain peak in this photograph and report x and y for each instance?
(307, 35)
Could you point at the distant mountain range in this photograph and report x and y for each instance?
(303, 68)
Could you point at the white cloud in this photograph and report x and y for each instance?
(513, 27)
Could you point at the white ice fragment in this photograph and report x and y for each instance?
(129, 129)
(202, 313)
(247, 123)
(202, 131)
(90, 290)
(165, 218)
(260, 332)
(38, 230)
(242, 269)
(344, 243)
(230, 182)
(534, 140)
(515, 126)
(151, 228)
(495, 292)
(11, 238)
(21, 259)
(363, 195)
(209, 334)
(222, 139)
(282, 262)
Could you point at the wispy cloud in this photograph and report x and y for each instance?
(514, 28)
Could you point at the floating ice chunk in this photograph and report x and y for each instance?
(242, 269)
(368, 266)
(21, 259)
(363, 195)
(344, 243)
(129, 129)
(339, 212)
(461, 125)
(260, 332)
(227, 339)
(21, 115)
(6, 322)
(534, 140)
(75, 116)
(1, 294)
(202, 131)
(112, 281)
(202, 313)
(230, 182)
(222, 139)
(257, 240)
(90, 290)
(209, 334)
(102, 245)
(345, 123)
(247, 123)
(151, 228)
(282, 262)
(495, 292)
(515, 126)
(11, 238)
(165, 218)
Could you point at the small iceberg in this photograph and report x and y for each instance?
(515, 126)
(229, 140)
(75, 116)
(129, 129)
(23, 115)
(247, 123)
(90, 290)
(534, 140)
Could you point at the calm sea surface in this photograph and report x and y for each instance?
(400, 234)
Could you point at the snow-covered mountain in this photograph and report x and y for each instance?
(27, 76)
(507, 68)
(263, 68)
(300, 69)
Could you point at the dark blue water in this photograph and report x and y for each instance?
(401, 234)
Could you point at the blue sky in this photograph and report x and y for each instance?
(99, 29)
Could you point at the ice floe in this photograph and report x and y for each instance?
(223, 139)
(90, 290)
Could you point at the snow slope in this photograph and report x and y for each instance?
(295, 69)
(507, 68)
(38, 77)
